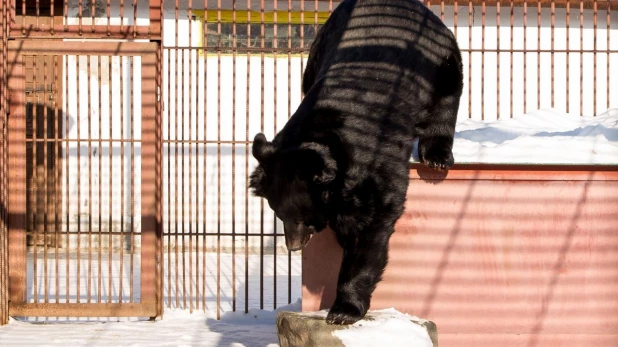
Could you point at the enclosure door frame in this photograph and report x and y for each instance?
(150, 304)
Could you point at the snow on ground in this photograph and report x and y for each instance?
(541, 137)
(179, 327)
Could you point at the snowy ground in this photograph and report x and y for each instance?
(545, 136)
(541, 137)
(178, 327)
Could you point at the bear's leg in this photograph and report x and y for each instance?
(361, 269)
(436, 132)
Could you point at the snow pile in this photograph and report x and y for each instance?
(387, 327)
(541, 137)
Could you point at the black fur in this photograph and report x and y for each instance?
(380, 73)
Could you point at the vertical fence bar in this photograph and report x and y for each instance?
(190, 145)
(302, 41)
(132, 179)
(79, 183)
(553, 27)
(109, 20)
(470, 22)
(134, 18)
(275, 46)
(205, 130)
(45, 183)
(180, 79)
(538, 55)
(568, 60)
(498, 51)
(121, 15)
(190, 129)
(92, 14)
(176, 231)
(89, 234)
(234, 46)
(35, 178)
(110, 182)
(525, 55)
(594, 57)
(289, 115)
(169, 176)
(483, 24)
(57, 186)
(51, 15)
(262, 47)
(79, 14)
(581, 57)
(608, 73)
(247, 119)
(122, 177)
(99, 199)
(65, 14)
(23, 17)
(512, 23)
(219, 159)
(38, 14)
(159, 265)
(67, 152)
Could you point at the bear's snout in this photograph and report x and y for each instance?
(297, 235)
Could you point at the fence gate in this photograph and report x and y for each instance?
(84, 187)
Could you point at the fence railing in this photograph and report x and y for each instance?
(227, 70)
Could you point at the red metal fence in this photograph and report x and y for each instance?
(224, 70)
(4, 276)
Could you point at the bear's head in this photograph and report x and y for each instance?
(295, 182)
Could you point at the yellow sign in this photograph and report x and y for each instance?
(255, 17)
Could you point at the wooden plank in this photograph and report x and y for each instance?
(52, 47)
(588, 4)
(83, 310)
(159, 180)
(156, 17)
(517, 172)
(149, 194)
(17, 177)
(85, 32)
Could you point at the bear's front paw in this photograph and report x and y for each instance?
(438, 158)
(344, 314)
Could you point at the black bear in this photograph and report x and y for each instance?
(380, 73)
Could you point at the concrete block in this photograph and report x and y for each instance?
(381, 327)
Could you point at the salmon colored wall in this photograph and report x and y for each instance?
(498, 255)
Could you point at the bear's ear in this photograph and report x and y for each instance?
(257, 181)
(316, 160)
(262, 149)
